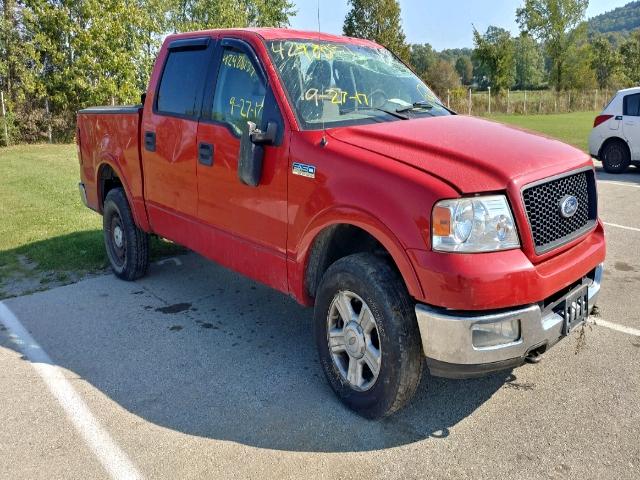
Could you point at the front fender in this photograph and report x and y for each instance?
(340, 215)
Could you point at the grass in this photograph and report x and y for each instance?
(44, 227)
(571, 128)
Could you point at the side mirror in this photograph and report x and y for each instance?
(263, 138)
(250, 157)
(252, 152)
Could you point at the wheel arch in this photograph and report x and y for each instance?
(109, 176)
(329, 241)
(614, 139)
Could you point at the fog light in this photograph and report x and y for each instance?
(493, 334)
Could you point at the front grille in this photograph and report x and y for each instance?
(542, 203)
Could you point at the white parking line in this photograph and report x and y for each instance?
(622, 184)
(614, 326)
(112, 458)
(633, 229)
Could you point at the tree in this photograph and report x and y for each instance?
(68, 54)
(496, 52)
(530, 71)
(558, 24)
(464, 67)
(442, 76)
(422, 58)
(630, 53)
(605, 61)
(579, 74)
(186, 15)
(377, 20)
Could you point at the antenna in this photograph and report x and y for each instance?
(323, 141)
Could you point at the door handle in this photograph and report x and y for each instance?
(150, 141)
(205, 154)
(619, 117)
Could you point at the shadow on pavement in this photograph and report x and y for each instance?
(202, 351)
(631, 176)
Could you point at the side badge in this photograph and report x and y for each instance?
(304, 170)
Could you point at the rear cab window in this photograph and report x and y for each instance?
(182, 83)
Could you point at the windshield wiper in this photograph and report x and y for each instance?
(393, 113)
(416, 105)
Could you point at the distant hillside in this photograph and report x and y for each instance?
(622, 20)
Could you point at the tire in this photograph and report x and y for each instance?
(616, 157)
(127, 246)
(368, 283)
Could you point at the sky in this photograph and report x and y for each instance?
(443, 24)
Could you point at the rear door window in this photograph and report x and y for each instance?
(632, 105)
(182, 83)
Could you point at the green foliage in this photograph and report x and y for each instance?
(464, 67)
(188, 15)
(605, 62)
(437, 68)
(620, 20)
(558, 24)
(530, 70)
(495, 51)
(442, 77)
(77, 53)
(578, 72)
(630, 53)
(377, 20)
(423, 58)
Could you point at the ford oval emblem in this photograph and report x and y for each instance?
(568, 206)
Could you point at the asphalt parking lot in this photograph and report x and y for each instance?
(196, 372)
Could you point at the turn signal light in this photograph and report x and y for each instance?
(441, 221)
(601, 119)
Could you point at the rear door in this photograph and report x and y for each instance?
(169, 138)
(631, 123)
(247, 225)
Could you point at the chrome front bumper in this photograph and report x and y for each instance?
(447, 338)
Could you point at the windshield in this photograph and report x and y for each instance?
(331, 84)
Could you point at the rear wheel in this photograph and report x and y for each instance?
(367, 335)
(127, 246)
(616, 157)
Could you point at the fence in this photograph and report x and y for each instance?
(526, 102)
(38, 123)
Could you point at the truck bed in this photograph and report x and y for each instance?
(109, 140)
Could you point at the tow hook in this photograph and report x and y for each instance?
(534, 356)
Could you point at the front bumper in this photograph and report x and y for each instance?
(447, 337)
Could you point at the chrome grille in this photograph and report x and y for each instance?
(542, 203)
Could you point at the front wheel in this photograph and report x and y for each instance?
(127, 246)
(367, 335)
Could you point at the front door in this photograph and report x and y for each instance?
(247, 225)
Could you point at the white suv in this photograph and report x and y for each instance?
(615, 138)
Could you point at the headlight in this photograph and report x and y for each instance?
(477, 224)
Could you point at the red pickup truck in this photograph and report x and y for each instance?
(325, 168)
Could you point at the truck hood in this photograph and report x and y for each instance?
(471, 154)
